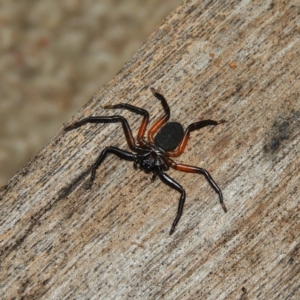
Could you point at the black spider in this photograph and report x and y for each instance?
(153, 155)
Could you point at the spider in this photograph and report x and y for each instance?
(165, 140)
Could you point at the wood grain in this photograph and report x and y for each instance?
(232, 60)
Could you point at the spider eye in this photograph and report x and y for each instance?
(147, 166)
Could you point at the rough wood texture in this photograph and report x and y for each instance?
(238, 62)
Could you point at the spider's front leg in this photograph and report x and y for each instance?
(176, 186)
(114, 150)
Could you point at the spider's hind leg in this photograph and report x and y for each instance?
(136, 110)
(160, 122)
(111, 119)
(114, 150)
(192, 127)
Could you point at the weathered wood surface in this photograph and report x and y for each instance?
(233, 60)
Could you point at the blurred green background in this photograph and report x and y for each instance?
(54, 56)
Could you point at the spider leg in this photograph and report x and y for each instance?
(191, 169)
(176, 186)
(159, 123)
(136, 110)
(118, 152)
(192, 127)
(111, 119)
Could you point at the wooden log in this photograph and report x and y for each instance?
(238, 61)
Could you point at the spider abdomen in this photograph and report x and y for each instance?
(169, 136)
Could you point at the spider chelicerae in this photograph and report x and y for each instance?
(165, 140)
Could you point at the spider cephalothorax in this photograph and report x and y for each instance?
(165, 140)
(152, 159)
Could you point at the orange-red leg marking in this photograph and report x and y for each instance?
(192, 169)
(159, 123)
(136, 110)
(192, 127)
